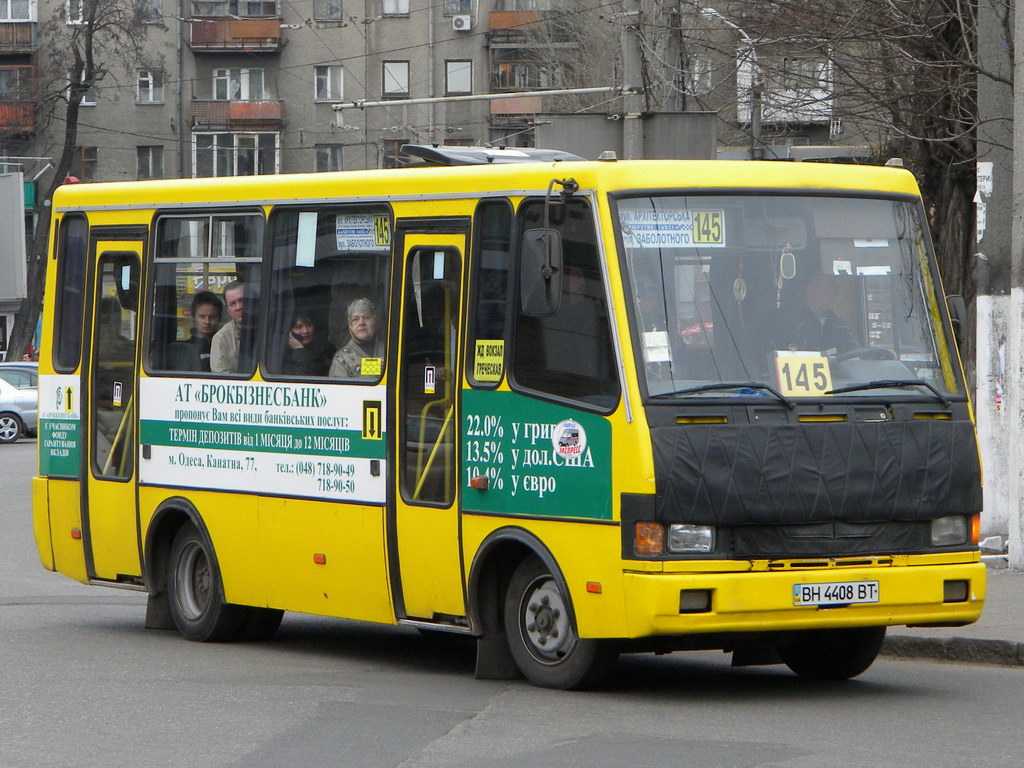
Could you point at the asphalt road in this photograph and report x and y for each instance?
(83, 684)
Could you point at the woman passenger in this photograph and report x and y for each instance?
(308, 353)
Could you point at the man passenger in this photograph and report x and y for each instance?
(227, 343)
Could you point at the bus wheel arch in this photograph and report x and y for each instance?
(177, 539)
(507, 563)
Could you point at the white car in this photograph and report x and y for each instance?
(19, 400)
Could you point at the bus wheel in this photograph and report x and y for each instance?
(194, 592)
(11, 428)
(833, 654)
(542, 636)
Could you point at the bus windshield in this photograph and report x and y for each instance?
(784, 295)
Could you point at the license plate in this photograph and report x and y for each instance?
(836, 593)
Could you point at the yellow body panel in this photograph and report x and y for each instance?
(65, 504)
(41, 521)
(352, 582)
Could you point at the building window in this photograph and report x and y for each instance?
(238, 84)
(75, 10)
(149, 11)
(15, 10)
(328, 157)
(395, 80)
(90, 95)
(328, 10)
(458, 7)
(234, 154)
(83, 163)
(245, 8)
(328, 82)
(458, 77)
(151, 162)
(150, 86)
(395, 7)
(15, 82)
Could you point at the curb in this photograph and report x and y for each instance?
(967, 650)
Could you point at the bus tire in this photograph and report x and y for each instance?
(195, 594)
(542, 636)
(833, 654)
(11, 428)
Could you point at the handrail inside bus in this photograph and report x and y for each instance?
(126, 419)
(422, 475)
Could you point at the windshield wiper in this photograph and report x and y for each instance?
(887, 383)
(710, 386)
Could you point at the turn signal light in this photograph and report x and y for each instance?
(975, 528)
(76, 534)
(649, 539)
(479, 482)
(320, 559)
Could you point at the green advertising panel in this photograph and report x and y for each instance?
(539, 458)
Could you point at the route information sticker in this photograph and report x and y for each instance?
(672, 228)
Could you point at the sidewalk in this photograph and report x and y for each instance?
(996, 638)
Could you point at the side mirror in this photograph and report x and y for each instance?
(957, 316)
(540, 272)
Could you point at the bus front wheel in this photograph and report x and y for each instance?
(542, 636)
(833, 654)
(195, 592)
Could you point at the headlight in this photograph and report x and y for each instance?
(690, 538)
(947, 531)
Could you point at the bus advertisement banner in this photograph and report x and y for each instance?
(539, 458)
(303, 440)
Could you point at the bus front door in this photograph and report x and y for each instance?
(110, 516)
(425, 527)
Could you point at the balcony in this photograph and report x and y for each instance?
(519, 29)
(17, 36)
(17, 117)
(226, 35)
(238, 115)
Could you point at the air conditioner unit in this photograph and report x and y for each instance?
(462, 23)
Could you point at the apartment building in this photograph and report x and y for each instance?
(233, 87)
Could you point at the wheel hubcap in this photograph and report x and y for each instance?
(193, 581)
(545, 621)
(8, 428)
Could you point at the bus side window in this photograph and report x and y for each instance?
(67, 342)
(330, 272)
(569, 354)
(201, 262)
(489, 302)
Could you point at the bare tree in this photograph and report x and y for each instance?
(900, 74)
(89, 42)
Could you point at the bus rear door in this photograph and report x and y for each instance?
(425, 523)
(110, 518)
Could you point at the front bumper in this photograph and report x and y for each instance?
(910, 592)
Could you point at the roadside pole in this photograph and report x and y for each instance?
(1015, 366)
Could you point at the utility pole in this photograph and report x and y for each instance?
(1015, 364)
(633, 103)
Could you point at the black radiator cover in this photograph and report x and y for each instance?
(776, 474)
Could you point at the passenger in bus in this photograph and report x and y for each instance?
(308, 353)
(194, 354)
(227, 342)
(820, 328)
(365, 344)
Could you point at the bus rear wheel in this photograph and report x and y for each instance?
(833, 654)
(542, 636)
(195, 593)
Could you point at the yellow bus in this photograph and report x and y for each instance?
(567, 408)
